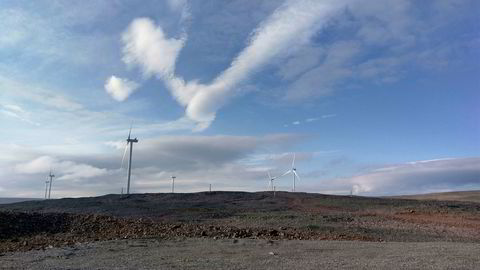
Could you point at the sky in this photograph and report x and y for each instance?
(373, 97)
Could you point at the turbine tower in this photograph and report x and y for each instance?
(51, 180)
(46, 189)
(173, 183)
(130, 142)
(292, 171)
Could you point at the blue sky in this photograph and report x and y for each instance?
(375, 97)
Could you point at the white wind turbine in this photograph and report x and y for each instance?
(270, 180)
(292, 171)
(129, 142)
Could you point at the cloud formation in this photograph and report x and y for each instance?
(418, 177)
(290, 26)
(17, 112)
(227, 162)
(66, 170)
(120, 88)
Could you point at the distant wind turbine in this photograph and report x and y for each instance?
(270, 180)
(51, 180)
(129, 143)
(173, 183)
(46, 188)
(292, 171)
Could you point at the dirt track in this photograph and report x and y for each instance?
(194, 253)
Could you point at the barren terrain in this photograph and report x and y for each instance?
(466, 196)
(221, 217)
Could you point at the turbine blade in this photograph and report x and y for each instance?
(124, 153)
(287, 172)
(269, 176)
(130, 131)
(296, 174)
(293, 162)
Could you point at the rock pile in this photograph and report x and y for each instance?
(26, 231)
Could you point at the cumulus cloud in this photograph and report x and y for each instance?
(291, 25)
(119, 88)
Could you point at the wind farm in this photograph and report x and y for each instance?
(267, 134)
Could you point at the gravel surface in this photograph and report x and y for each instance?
(197, 253)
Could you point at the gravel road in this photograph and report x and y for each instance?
(198, 253)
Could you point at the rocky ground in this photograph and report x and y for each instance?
(207, 253)
(234, 216)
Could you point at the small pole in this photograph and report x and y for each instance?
(210, 188)
(122, 191)
(274, 191)
(173, 183)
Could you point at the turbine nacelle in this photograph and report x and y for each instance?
(132, 140)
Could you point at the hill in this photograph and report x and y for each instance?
(15, 200)
(465, 196)
(258, 215)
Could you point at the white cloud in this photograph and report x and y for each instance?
(146, 45)
(64, 170)
(39, 165)
(17, 112)
(289, 26)
(227, 162)
(119, 145)
(418, 177)
(296, 123)
(119, 88)
(34, 93)
(328, 115)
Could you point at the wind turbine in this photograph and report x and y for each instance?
(173, 183)
(51, 180)
(46, 189)
(130, 142)
(270, 180)
(292, 171)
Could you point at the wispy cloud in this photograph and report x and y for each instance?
(35, 93)
(17, 112)
(289, 26)
(328, 116)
